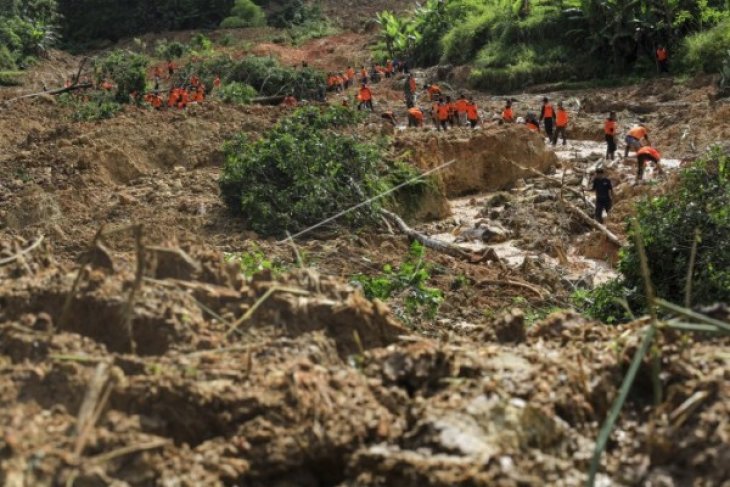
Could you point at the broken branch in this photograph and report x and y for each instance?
(593, 223)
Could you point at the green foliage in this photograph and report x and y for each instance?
(89, 20)
(170, 49)
(301, 172)
(126, 69)
(725, 74)
(100, 107)
(11, 78)
(408, 281)
(254, 261)
(237, 93)
(244, 13)
(27, 29)
(701, 201)
(294, 13)
(515, 43)
(706, 51)
(607, 303)
(269, 77)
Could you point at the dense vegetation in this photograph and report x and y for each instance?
(512, 44)
(301, 172)
(699, 207)
(27, 29)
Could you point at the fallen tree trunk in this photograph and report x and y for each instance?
(438, 245)
(593, 223)
(57, 91)
(268, 100)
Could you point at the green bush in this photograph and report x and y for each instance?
(701, 201)
(409, 281)
(706, 51)
(7, 60)
(301, 172)
(270, 78)
(237, 93)
(504, 80)
(295, 12)
(607, 303)
(100, 107)
(11, 78)
(244, 13)
(170, 50)
(126, 69)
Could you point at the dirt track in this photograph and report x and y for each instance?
(319, 386)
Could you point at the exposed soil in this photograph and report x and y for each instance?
(195, 375)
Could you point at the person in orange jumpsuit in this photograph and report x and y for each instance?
(645, 155)
(365, 97)
(508, 115)
(472, 113)
(415, 117)
(561, 124)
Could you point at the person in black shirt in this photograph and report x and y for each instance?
(604, 194)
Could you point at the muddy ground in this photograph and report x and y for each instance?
(181, 371)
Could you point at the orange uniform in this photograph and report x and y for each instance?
(461, 105)
(416, 113)
(365, 94)
(661, 54)
(289, 101)
(350, 73)
(651, 152)
(199, 94)
(443, 111)
(548, 111)
(638, 132)
(562, 118)
(609, 127)
(472, 113)
(183, 100)
(412, 84)
(532, 126)
(508, 115)
(434, 91)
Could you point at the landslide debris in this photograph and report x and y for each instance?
(300, 381)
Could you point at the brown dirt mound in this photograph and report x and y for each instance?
(483, 158)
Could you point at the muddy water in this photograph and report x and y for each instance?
(466, 213)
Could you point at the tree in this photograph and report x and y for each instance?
(244, 13)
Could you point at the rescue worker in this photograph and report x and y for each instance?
(644, 155)
(604, 194)
(609, 129)
(531, 122)
(452, 112)
(365, 97)
(415, 117)
(461, 107)
(435, 114)
(173, 97)
(547, 115)
(409, 91)
(635, 138)
(170, 68)
(662, 59)
(388, 68)
(442, 111)
(472, 113)
(349, 77)
(363, 75)
(508, 115)
(199, 96)
(561, 124)
(289, 101)
(183, 100)
(434, 92)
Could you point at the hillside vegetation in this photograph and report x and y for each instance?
(513, 44)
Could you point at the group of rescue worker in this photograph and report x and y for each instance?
(181, 93)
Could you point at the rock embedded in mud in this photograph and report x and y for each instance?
(507, 328)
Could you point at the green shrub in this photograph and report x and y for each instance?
(170, 50)
(100, 107)
(7, 60)
(512, 78)
(270, 78)
(701, 201)
(706, 51)
(408, 281)
(237, 93)
(254, 261)
(301, 172)
(607, 303)
(295, 12)
(11, 78)
(244, 13)
(126, 69)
